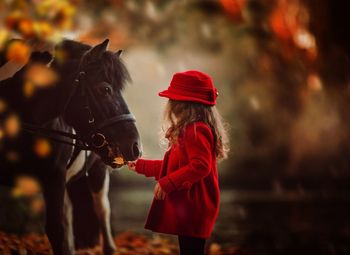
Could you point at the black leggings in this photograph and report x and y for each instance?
(191, 245)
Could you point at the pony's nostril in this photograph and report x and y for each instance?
(136, 150)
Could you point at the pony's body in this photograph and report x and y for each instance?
(87, 208)
(63, 107)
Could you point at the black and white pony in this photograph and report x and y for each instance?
(88, 124)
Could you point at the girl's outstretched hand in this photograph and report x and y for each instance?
(132, 165)
(159, 194)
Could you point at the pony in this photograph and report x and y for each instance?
(81, 112)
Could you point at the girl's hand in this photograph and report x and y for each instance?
(132, 165)
(159, 194)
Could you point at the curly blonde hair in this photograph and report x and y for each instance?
(178, 114)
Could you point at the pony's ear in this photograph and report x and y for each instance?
(118, 53)
(96, 52)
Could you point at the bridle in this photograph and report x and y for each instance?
(95, 139)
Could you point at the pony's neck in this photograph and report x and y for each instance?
(50, 104)
(44, 105)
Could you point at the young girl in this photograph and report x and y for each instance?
(186, 196)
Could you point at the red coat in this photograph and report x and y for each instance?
(188, 175)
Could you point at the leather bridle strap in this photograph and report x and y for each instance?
(53, 134)
(116, 119)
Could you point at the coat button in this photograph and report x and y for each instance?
(186, 185)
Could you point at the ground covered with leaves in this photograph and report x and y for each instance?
(127, 242)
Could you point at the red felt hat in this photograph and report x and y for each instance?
(192, 86)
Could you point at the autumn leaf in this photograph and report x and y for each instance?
(26, 28)
(37, 205)
(3, 38)
(2, 133)
(28, 89)
(214, 249)
(26, 186)
(12, 156)
(18, 51)
(64, 16)
(42, 148)
(39, 244)
(314, 82)
(43, 29)
(59, 12)
(44, 20)
(60, 55)
(3, 106)
(12, 125)
(12, 20)
(233, 7)
(40, 76)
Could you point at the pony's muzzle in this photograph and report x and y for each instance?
(136, 151)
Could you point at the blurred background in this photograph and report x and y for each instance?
(282, 71)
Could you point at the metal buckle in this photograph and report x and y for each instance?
(91, 117)
(98, 140)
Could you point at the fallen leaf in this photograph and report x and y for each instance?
(42, 148)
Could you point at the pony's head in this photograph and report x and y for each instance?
(95, 106)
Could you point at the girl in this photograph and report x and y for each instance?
(186, 196)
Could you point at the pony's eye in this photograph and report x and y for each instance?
(106, 91)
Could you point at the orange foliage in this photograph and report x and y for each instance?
(18, 51)
(283, 22)
(42, 148)
(26, 186)
(3, 38)
(12, 155)
(128, 243)
(3, 106)
(40, 75)
(29, 244)
(233, 7)
(12, 125)
(25, 26)
(41, 19)
(289, 22)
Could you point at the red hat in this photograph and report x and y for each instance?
(192, 86)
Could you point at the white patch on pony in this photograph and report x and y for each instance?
(68, 225)
(103, 211)
(77, 165)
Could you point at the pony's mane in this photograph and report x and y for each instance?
(73, 49)
(112, 67)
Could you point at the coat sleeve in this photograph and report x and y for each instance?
(149, 168)
(198, 141)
